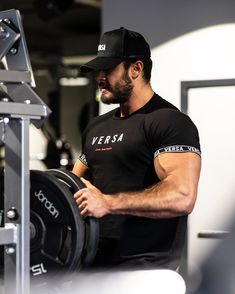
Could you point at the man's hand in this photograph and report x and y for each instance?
(91, 201)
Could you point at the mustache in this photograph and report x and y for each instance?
(104, 84)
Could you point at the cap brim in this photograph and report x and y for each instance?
(100, 63)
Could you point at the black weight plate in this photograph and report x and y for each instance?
(91, 223)
(57, 229)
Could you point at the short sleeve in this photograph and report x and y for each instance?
(169, 130)
(82, 158)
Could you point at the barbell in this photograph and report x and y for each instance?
(61, 241)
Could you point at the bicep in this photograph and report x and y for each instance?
(79, 168)
(181, 168)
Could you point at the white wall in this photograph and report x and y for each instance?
(200, 55)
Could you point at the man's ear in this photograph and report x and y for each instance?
(137, 69)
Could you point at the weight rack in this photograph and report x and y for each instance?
(19, 105)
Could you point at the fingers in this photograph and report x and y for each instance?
(81, 200)
(90, 200)
(79, 197)
(86, 182)
(83, 207)
(85, 212)
(81, 203)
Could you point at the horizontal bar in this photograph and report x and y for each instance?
(212, 234)
(14, 109)
(208, 83)
(8, 234)
(187, 85)
(14, 76)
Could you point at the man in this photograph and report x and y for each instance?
(143, 159)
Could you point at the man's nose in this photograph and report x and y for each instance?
(100, 75)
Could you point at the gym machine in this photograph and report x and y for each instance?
(44, 236)
(19, 105)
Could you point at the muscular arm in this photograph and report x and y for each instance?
(173, 196)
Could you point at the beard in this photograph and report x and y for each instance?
(119, 93)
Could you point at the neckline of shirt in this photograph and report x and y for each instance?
(116, 114)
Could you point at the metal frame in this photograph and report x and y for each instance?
(185, 87)
(19, 105)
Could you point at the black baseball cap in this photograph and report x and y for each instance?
(116, 46)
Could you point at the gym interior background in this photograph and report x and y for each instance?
(193, 54)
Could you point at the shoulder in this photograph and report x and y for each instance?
(170, 127)
(163, 116)
(167, 116)
(157, 103)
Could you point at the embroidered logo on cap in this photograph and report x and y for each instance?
(101, 47)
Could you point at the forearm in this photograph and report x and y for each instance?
(79, 169)
(164, 200)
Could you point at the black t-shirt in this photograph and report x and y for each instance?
(120, 152)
